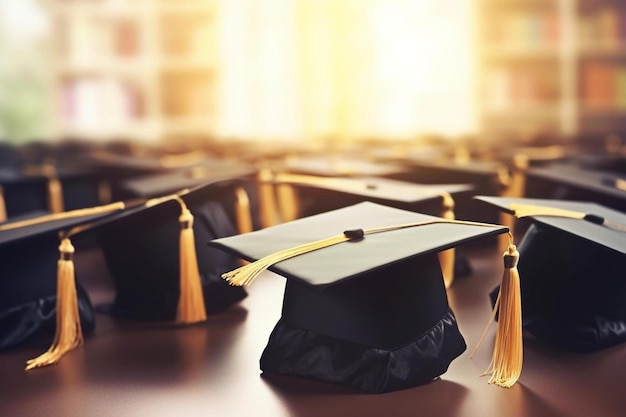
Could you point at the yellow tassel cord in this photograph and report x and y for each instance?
(244, 213)
(55, 195)
(191, 307)
(526, 210)
(508, 352)
(446, 257)
(73, 214)
(246, 274)
(3, 207)
(68, 331)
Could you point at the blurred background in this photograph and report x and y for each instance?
(310, 71)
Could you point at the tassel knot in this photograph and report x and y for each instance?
(511, 257)
(186, 219)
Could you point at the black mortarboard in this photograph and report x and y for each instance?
(340, 166)
(572, 182)
(360, 308)
(487, 177)
(117, 167)
(572, 263)
(318, 194)
(237, 182)
(141, 249)
(30, 297)
(314, 195)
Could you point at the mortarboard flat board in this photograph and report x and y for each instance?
(370, 312)
(339, 166)
(237, 182)
(320, 194)
(572, 182)
(118, 167)
(487, 177)
(306, 195)
(572, 263)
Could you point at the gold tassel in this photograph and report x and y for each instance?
(446, 257)
(244, 275)
(55, 195)
(289, 205)
(68, 331)
(244, 214)
(267, 199)
(508, 352)
(191, 307)
(526, 210)
(3, 207)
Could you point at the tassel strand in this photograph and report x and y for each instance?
(191, 308)
(68, 334)
(506, 362)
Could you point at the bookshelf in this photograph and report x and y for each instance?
(144, 69)
(551, 67)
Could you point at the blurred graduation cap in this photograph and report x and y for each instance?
(363, 307)
(331, 166)
(314, 195)
(339, 166)
(573, 258)
(155, 250)
(141, 249)
(572, 182)
(31, 302)
(117, 167)
(237, 185)
(487, 177)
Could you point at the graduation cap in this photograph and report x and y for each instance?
(151, 248)
(31, 302)
(487, 177)
(339, 166)
(314, 195)
(320, 194)
(236, 180)
(364, 303)
(141, 250)
(573, 258)
(577, 183)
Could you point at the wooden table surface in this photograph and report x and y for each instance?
(152, 369)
